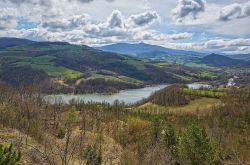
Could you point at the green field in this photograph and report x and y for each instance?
(45, 63)
(201, 106)
(198, 65)
(136, 63)
(114, 78)
(204, 93)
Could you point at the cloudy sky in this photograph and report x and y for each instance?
(201, 25)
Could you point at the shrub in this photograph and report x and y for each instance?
(61, 133)
(195, 148)
(92, 156)
(170, 137)
(8, 156)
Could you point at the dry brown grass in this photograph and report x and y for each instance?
(200, 106)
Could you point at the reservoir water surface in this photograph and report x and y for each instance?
(129, 96)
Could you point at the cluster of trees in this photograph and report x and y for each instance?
(193, 147)
(103, 86)
(16, 76)
(157, 142)
(176, 95)
(170, 96)
(82, 133)
(51, 126)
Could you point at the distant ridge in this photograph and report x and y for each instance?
(217, 60)
(245, 57)
(140, 49)
(9, 42)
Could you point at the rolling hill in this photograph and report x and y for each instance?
(9, 42)
(221, 61)
(245, 57)
(74, 68)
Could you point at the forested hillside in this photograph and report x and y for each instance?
(202, 130)
(65, 68)
(221, 61)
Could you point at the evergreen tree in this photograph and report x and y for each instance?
(8, 156)
(92, 156)
(156, 130)
(171, 141)
(195, 148)
(170, 137)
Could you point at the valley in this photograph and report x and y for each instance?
(124, 82)
(72, 104)
(66, 68)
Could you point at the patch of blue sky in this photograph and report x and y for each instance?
(24, 23)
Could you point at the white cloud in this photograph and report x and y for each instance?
(145, 18)
(241, 45)
(30, 2)
(235, 11)
(46, 2)
(180, 36)
(8, 18)
(209, 21)
(74, 22)
(83, 30)
(115, 19)
(233, 46)
(87, 1)
(188, 8)
(230, 12)
(221, 45)
(235, 28)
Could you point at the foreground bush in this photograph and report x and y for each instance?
(195, 148)
(8, 156)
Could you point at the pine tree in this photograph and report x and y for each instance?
(170, 137)
(156, 130)
(195, 148)
(8, 156)
(92, 156)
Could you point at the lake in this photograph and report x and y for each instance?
(129, 96)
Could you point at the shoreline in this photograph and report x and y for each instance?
(105, 93)
(118, 91)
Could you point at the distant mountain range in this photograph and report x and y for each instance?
(143, 50)
(183, 57)
(140, 50)
(245, 57)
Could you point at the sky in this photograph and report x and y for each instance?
(219, 26)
